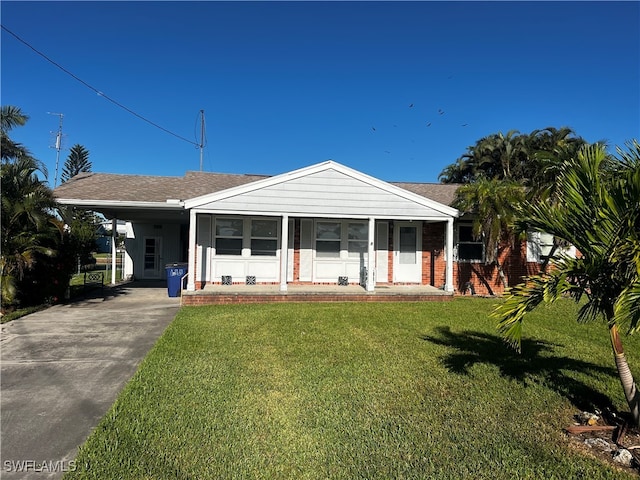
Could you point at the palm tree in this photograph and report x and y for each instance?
(500, 156)
(30, 231)
(493, 202)
(510, 155)
(549, 149)
(597, 210)
(28, 226)
(11, 117)
(459, 172)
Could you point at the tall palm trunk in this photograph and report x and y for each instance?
(501, 274)
(626, 377)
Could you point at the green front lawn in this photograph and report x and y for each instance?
(348, 391)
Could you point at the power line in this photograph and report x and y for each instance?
(90, 87)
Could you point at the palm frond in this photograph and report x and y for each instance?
(524, 298)
(627, 308)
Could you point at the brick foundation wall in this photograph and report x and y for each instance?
(225, 299)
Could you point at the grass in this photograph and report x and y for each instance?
(349, 391)
(21, 312)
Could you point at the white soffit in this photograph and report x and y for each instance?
(327, 188)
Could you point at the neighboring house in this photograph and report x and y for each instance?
(104, 235)
(323, 224)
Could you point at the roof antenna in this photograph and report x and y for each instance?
(202, 138)
(57, 146)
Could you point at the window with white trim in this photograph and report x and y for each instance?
(468, 248)
(328, 239)
(229, 235)
(264, 237)
(358, 233)
(539, 246)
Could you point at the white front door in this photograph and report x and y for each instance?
(407, 264)
(152, 257)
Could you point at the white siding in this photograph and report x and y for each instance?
(306, 250)
(204, 247)
(170, 245)
(325, 193)
(382, 252)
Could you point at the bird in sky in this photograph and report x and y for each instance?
(411, 106)
(440, 111)
(429, 124)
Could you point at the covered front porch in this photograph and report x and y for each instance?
(234, 294)
(324, 225)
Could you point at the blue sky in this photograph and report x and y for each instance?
(288, 84)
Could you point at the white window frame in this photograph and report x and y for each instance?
(356, 252)
(226, 237)
(328, 255)
(273, 238)
(247, 237)
(540, 245)
(345, 244)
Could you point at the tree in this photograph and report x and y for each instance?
(31, 234)
(11, 117)
(29, 230)
(497, 156)
(598, 211)
(76, 162)
(532, 159)
(549, 149)
(82, 232)
(81, 222)
(493, 203)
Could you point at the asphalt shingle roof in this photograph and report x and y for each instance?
(151, 188)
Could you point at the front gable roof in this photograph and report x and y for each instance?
(326, 189)
(133, 196)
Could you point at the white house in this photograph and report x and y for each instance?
(322, 224)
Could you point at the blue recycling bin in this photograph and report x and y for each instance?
(175, 272)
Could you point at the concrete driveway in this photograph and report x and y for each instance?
(62, 368)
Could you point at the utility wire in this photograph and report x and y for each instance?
(106, 97)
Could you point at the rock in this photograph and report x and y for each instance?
(623, 457)
(599, 443)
